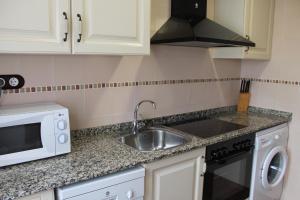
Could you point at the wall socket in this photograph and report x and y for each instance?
(2, 82)
(11, 81)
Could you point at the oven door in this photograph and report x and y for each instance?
(228, 179)
(26, 137)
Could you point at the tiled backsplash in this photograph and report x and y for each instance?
(101, 90)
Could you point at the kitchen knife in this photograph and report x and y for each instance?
(243, 86)
(241, 89)
(248, 86)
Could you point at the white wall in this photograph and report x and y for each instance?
(284, 65)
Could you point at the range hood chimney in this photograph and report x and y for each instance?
(188, 26)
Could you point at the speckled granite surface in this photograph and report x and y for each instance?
(96, 152)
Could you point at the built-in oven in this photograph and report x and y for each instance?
(229, 166)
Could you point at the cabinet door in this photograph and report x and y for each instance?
(34, 26)
(260, 20)
(253, 18)
(176, 182)
(48, 195)
(111, 27)
(175, 178)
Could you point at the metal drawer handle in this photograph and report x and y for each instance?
(65, 27)
(79, 27)
(248, 48)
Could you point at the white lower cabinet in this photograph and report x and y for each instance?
(48, 195)
(176, 178)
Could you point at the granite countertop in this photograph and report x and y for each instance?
(99, 153)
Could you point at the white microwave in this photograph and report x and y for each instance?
(31, 132)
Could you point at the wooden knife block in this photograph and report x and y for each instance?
(244, 101)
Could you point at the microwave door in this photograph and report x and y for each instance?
(15, 139)
(29, 139)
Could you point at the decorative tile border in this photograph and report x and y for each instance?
(283, 82)
(63, 88)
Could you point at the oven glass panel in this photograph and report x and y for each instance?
(19, 138)
(228, 181)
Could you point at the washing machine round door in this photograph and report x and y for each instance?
(274, 167)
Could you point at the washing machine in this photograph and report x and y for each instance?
(269, 163)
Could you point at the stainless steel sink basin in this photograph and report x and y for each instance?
(153, 139)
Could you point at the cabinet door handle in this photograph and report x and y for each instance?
(79, 28)
(248, 48)
(65, 27)
(204, 168)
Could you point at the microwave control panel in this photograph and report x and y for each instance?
(62, 131)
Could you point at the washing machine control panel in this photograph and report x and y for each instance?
(229, 148)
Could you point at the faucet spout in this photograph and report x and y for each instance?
(135, 120)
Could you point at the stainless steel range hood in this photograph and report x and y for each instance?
(188, 26)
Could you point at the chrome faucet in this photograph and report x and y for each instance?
(135, 120)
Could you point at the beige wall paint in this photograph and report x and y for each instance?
(95, 107)
(284, 65)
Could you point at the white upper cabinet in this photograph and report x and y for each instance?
(111, 26)
(249, 18)
(34, 26)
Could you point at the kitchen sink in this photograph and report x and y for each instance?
(154, 138)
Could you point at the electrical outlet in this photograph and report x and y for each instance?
(2, 82)
(11, 81)
(14, 82)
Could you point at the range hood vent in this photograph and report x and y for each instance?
(188, 26)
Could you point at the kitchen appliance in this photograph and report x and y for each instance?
(207, 128)
(126, 185)
(188, 26)
(229, 166)
(269, 163)
(33, 131)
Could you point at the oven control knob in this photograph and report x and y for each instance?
(235, 146)
(248, 143)
(220, 153)
(63, 138)
(224, 151)
(62, 124)
(214, 154)
(130, 194)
